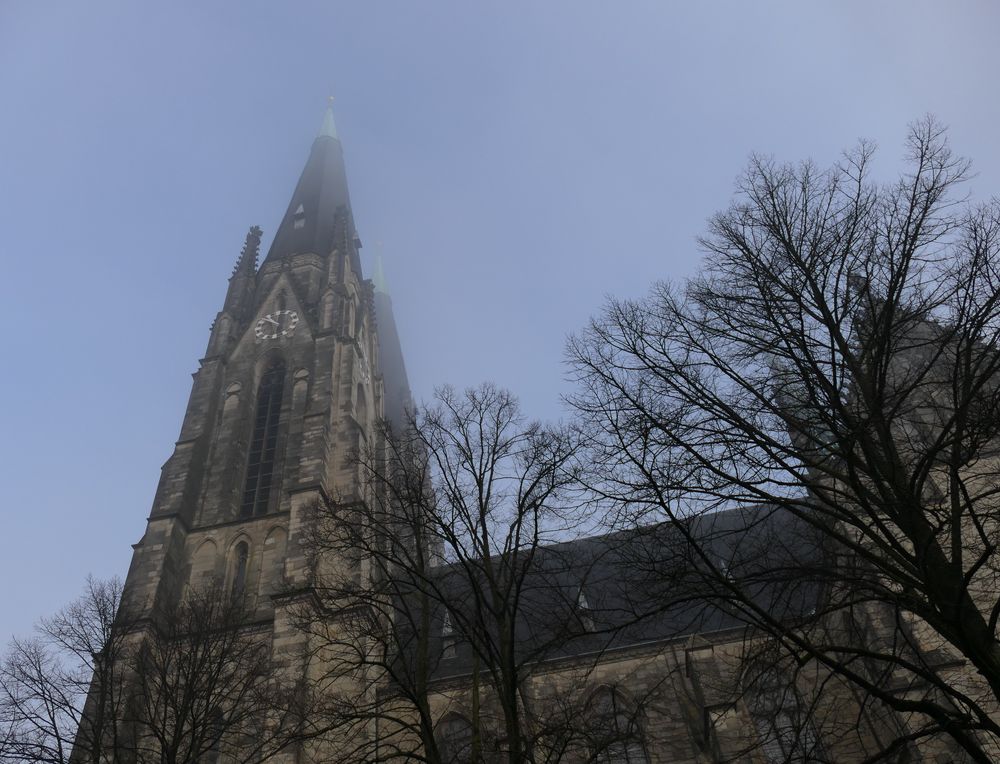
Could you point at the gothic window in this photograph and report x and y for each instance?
(216, 726)
(361, 406)
(615, 734)
(299, 218)
(349, 317)
(454, 739)
(272, 567)
(263, 442)
(786, 734)
(328, 303)
(448, 638)
(240, 562)
(583, 611)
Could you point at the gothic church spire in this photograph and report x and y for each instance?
(319, 219)
(329, 128)
(242, 282)
(397, 400)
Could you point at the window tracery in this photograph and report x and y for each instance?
(454, 739)
(615, 734)
(786, 734)
(448, 638)
(240, 563)
(583, 611)
(261, 457)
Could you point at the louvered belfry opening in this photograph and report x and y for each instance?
(264, 441)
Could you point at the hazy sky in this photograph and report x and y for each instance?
(518, 160)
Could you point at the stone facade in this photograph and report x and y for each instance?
(308, 308)
(342, 372)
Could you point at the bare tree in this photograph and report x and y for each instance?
(99, 685)
(442, 570)
(204, 687)
(45, 681)
(835, 364)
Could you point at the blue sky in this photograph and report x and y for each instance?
(519, 161)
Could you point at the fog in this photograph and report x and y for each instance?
(514, 163)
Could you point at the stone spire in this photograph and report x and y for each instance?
(396, 385)
(378, 277)
(328, 128)
(319, 219)
(247, 260)
(241, 283)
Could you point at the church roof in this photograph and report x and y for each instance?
(647, 585)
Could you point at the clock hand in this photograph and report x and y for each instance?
(267, 318)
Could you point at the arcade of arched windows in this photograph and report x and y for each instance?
(249, 566)
(610, 729)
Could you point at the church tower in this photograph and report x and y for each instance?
(290, 387)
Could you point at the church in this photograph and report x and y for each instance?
(301, 360)
(302, 367)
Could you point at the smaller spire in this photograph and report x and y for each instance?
(378, 277)
(250, 251)
(243, 280)
(328, 129)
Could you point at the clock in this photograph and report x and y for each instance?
(281, 323)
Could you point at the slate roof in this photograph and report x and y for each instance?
(645, 585)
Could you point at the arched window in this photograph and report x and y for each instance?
(783, 725)
(454, 739)
(263, 442)
(240, 561)
(614, 731)
(215, 729)
(583, 611)
(448, 638)
(361, 406)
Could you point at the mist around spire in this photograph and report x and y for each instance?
(397, 399)
(318, 218)
(329, 127)
(378, 276)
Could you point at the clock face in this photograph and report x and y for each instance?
(281, 323)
